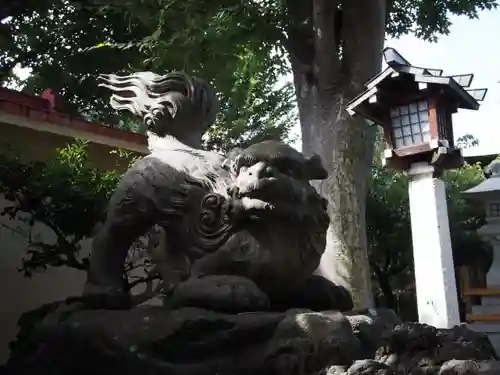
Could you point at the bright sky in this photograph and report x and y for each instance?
(469, 48)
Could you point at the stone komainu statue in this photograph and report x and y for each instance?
(252, 219)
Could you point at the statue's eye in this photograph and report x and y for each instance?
(270, 171)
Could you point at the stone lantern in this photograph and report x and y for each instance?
(414, 107)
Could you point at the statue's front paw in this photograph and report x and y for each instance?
(255, 205)
(319, 293)
(224, 293)
(246, 207)
(106, 298)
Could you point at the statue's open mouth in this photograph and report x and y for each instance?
(257, 189)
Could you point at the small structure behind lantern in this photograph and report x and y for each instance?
(414, 106)
(487, 193)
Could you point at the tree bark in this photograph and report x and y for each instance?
(325, 83)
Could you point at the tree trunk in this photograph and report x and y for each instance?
(345, 146)
(344, 57)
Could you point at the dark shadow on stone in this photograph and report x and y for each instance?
(199, 341)
(318, 294)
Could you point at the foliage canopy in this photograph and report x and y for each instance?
(66, 194)
(242, 47)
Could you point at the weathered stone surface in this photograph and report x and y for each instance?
(149, 340)
(369, 367)
(305, 342)
(231, 294)
(370, 325)
(468, 367)
(336, 370)
(419, 349)
(362, 367)
(155, 341)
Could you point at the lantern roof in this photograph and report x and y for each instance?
(490, 185)
(401, 77)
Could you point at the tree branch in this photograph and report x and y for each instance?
(6, 71)
(363, 31)
(16, 230)
(148, 294)
(300, 43)
(68, 248)
(376, 270)
(141, 280)
(72, 262)
(326, 59)
(387, 262)
(394, 270)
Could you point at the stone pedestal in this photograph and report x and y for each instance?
(434, 271)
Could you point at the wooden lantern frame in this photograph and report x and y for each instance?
(403, 84)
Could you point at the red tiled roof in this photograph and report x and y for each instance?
(42, 108)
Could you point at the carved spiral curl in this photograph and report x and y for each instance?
(212, 213)
(213, 228)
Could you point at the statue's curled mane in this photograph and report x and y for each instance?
(146, 95)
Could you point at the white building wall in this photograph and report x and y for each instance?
(20, 294)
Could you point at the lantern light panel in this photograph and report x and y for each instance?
(410, 124)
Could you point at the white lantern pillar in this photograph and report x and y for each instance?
(437, 298)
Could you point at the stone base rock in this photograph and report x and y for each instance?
(69, 339)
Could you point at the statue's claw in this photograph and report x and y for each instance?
(251, 205)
